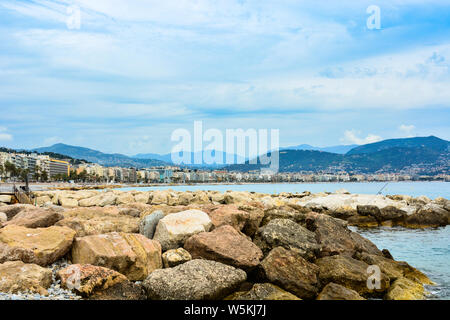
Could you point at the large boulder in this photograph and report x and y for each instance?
(395, 269)
(405, 289)
(16, 276)
(229, 215)
(98, 283)
(147, 225)
(174, 229)
(133, 255)
(41, 246)
(263, 291)
(14, 209)
(125, 198)
(297, 214)
(430, 215)
(333, 291)
(226, 245)
(35, 218)
(100, 200)
(350, 273)
(68, 202)
(5, 198)
(97, 220)
(385, 213)
(174, 257)
(289, 235)
(194, 280)
(289, 270)
(335, 238)
(160, 197)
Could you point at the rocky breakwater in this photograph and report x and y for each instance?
(208, 245)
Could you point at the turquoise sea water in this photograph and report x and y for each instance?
(415, 189)
(425, 249)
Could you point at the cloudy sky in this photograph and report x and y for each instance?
(132, 71)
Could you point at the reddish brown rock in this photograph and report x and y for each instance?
(41, 246)
(229, 215)
(133, 255)
(290, 271)
(225, 245)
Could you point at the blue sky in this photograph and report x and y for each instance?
(136, 70)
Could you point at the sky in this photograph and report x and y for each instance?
(127, 73)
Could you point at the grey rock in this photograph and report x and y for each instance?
(148, 224)
(289, 235)
(194, 280)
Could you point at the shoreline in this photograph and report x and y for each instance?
(76, 187)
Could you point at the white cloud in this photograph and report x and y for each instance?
(407, 130)
(4, 136)
(350, 136)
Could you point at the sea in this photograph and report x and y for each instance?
(425, 249)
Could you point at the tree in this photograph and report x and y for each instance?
(44, 176)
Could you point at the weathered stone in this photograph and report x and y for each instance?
(226, 245)
(14, 209)
(194, 280)
(3, 218)
(148, 224)
(289, 235)
(133, 255)
(395, 269)
(86, 279)
(333, 291)
(35, 218)
(40, 201)
(16, 276)
(430, 215)
(175, 257)
(142, 197)
(264, 291)
(68, 202)
(334, 236)
(288, 269)
(125, 290)
(254, 220)
(101, 200)
(125, 198)
(284, 212)
(97, 220)
(41, 246)
(405, 289)
(348, 272)
(174, 229)
(363, 221)
(5, 198)
(386, 213)
(229, 215)
(160, 197)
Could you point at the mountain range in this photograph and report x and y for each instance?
(426, 155)
(430, 153)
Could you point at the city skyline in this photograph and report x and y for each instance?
(132, 72)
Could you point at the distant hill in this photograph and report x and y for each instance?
(431, 142)
(342, 149)
(205, 153)
(52, 155)
(101, 158)
(429, 155)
